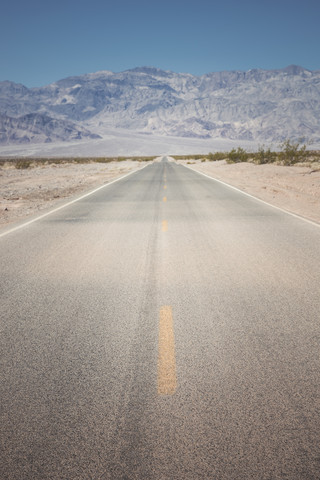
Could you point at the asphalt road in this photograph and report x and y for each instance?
(165, 327)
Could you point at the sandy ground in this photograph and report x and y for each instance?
(295, 188)
(28, 191)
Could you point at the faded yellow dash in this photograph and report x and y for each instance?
(164, 199)
(164, 225)
(165, 187)
(167, 378)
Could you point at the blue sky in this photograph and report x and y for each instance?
(43, 41)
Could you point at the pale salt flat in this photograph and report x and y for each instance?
(126, 143)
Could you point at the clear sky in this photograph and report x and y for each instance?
(42, 41)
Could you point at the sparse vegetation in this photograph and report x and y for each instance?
(213, 157)
(143, 159)
(22, 164)
(264, 156)
(189, 157)
(292, 152)
(237, 156)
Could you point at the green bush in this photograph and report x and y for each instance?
(103, 160)
(292, 153)
(237, 156)
(265, 156)
(188, 157)
(23, 163)
(143, 159)
(213, 157)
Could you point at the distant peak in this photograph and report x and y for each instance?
(294, 70)
(150, 71)
(145, 69)
(101, 72)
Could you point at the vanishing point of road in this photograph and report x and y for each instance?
(164, 327)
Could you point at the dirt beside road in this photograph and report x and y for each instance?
(293, 188)
(25, 192)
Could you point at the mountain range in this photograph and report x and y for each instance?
(264, 106)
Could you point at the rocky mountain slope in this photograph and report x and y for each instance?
(37, 127)
(266, 106)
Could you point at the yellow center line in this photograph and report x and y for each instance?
(165, 187)
(164, 199)
(164, 225)
(167, 378)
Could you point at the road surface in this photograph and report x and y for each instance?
(164, 327)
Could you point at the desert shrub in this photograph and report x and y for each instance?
(237, 156)
(265, 156)
(102, 160)
(143, 159)
(292, 153)
(80, 160)
(212, 157)
(187, 157)
(23, 163)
